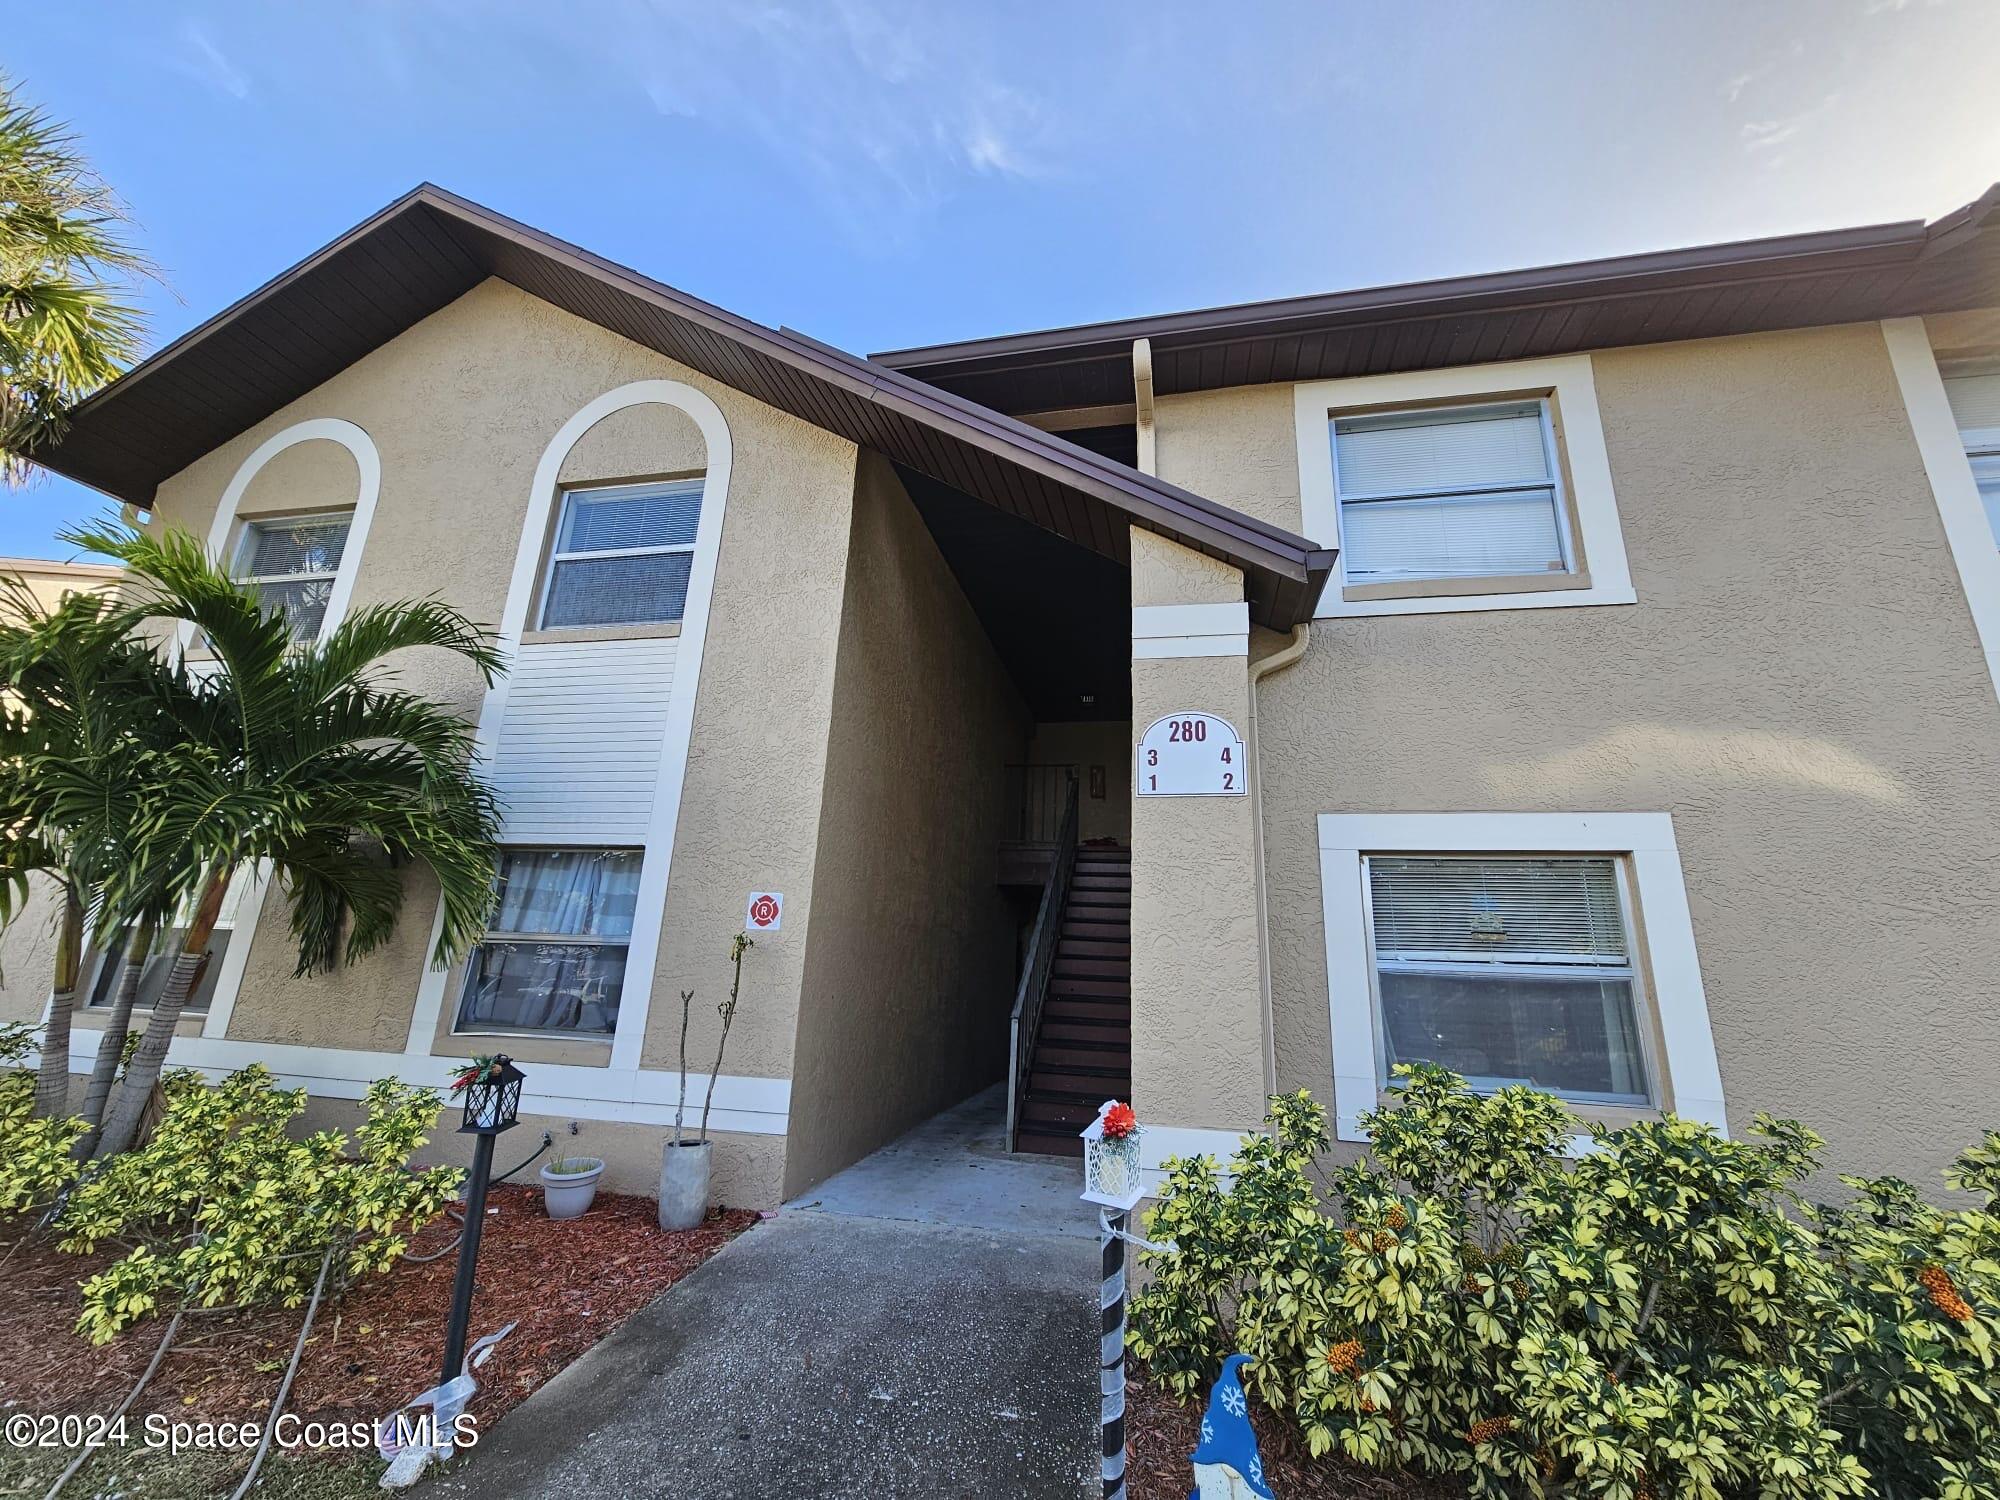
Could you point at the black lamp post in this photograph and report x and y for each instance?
(492, 1090)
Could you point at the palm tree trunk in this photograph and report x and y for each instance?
(121, 1124)
(111, 1046)
(52, 1081)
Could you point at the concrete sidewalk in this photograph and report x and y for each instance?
(829, 1352)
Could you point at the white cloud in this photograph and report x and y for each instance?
(203, 61)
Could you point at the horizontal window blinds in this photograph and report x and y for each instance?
(1408, 453)
(1461, 493)
(282, 547)
(615, 520)
(1975, 399)
(1555, 910)
(1462, 536)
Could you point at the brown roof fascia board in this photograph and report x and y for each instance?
(1781, 257)
(821, 384)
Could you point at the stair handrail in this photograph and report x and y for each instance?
(1043, 940)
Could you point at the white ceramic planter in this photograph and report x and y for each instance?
(567, 1195)
(684, 1173)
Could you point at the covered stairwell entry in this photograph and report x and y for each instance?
(1081, 1052)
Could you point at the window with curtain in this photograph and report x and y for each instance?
(554, 957)
(1508, 970)
(622, 555)
(293, 563)
(1449, 492)
(166, 947)
(1975, 403)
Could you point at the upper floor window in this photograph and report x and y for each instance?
(1449, 492)
(1975, 404)
(622, 555)
(293, 562)
(1463, 488)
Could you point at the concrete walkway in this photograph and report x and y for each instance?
(922, 1324)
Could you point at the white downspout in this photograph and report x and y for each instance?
(1277, 661)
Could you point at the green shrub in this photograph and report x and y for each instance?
(222, 1207)
(1663, 1315)
(35, 1159)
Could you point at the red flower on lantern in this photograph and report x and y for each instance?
(1119, 1122)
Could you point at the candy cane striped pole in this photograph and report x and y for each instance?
(1111, 1349)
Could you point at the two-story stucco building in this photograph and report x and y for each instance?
(1583, 675)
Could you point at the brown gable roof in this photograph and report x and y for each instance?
(1795, 281)
(430, 247)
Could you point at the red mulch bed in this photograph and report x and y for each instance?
(567, 1283)
(1160, 1433)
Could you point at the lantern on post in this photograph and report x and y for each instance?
(1112, 1179)
(491, 1090)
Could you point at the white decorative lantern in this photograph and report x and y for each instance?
(1111, 1171)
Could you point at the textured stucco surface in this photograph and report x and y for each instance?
(910, 953)
(28, 953)
(1083, 744)
(1236, 446)
(1165, 572)
(1799, 685)
(1197, 1029)
(460, 409)
(747, 1168)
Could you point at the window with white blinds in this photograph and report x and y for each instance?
(1975, 405)
(1449, 492)
(293, 563)
(1509, 969)
(623, 555)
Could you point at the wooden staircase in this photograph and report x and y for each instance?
(1082, 1052)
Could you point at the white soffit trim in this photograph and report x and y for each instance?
(1170, 630)
(368, 465)
(1942, 448)
(1693, 1076)
(635, 1001)
(1568, 377)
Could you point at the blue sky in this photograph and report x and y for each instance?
(880, 173)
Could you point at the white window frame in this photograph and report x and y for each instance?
(1684, 1073)
(1942, 447)
(1565, 380)
(557, 557)
(246, 545)
(581, 845)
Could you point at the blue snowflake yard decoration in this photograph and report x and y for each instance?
(1227, 1465)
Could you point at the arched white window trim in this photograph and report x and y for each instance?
(636, 1000)
(368, 465)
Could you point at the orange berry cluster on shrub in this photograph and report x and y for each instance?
(1345, 1357)
(1396, 1218)
(1944, 1296)
(1488, 1428)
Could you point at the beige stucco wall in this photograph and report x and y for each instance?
(1083, 744)
(910, 956)
(1197, 1029)
(747, 1168)
(460, 409)
(1799, 685)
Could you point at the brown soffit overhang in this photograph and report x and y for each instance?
(1796, 281)
(431, 247)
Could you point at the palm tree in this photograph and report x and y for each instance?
(82, 697)
(304, 757)
(67, 323)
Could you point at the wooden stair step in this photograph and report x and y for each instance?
(1076, 947)
(1085, 1054)
(1046, 1111)
(1090, 968)
(1048, 1143)
(1070, 986)
(1091, 1007)
(1097, 1087)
